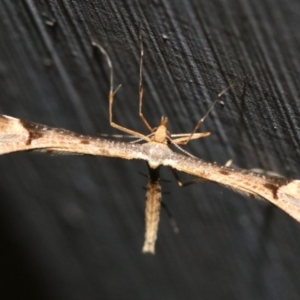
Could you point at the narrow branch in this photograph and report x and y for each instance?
(18, 135)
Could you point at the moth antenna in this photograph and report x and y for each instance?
(111, 96)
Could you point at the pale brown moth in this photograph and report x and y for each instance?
(19, 135)
(158, 135)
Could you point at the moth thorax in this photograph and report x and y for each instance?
(160, 135)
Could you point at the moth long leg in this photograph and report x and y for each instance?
(170, 216)
(183, 184)
(141, 88)
(111, 98)
(200, 122)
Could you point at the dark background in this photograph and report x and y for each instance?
(72, 227)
